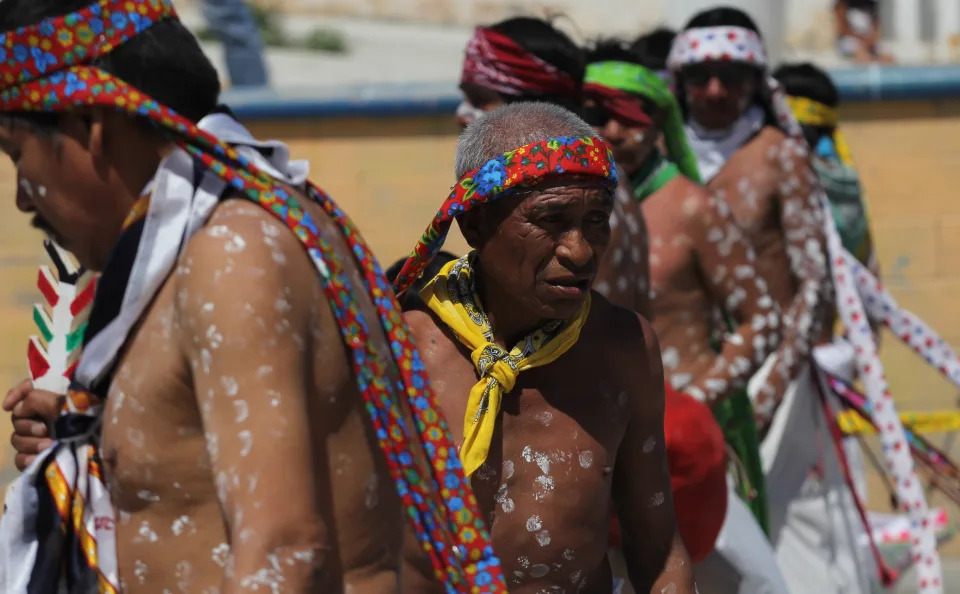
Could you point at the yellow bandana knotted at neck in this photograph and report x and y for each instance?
(452, 296)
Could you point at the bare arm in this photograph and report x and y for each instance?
(801, 218)
(728, 266)
(246, 335)
(656, 558)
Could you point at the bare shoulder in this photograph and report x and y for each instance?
(422, 324)
(693, 197)
(243, 255)
(611, 327)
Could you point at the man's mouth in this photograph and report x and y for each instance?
(570, 287)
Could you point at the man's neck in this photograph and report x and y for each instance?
(509, 323)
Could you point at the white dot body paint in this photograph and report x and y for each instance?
(182, 525)
(649, 444)
(543, 537)
(140, 571)
(27, 187)
(221, 554)
(586, 459)
(657, 499)
(539, 570)
(507, 469)
(533, 523)
(246, 442)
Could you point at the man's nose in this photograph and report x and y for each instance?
(612, 130)
(575, 250)
(715, 87)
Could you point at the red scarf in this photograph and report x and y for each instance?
(624, 107)
(494, 61)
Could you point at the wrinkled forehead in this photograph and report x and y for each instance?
(567, 194)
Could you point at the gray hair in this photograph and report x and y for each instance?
(511, 126)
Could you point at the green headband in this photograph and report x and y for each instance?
(639, 80)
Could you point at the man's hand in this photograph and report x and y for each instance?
(32, 412)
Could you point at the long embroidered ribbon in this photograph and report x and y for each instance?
(634, 79)
(525, 166)
(40, 75)
(893, 436)
(452, 296)
(904, 324)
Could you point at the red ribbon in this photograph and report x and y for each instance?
(494, 61)
(624, 107)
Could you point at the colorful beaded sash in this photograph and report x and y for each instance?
(45, 67)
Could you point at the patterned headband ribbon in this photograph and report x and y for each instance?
(495, 61)
(814, 113)
(717, 44)
(634, 79)
(526, 166)
(45, 67)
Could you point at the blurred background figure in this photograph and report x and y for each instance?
(519, 59)
(858, 31)
(814, 100)
(233, 23)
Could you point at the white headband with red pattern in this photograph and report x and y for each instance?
(706, 44)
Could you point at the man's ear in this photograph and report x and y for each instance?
(95, 143)
(471, 227)
(80, 125)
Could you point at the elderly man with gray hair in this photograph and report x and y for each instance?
(554, 394)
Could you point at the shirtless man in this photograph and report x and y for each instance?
(580, 422)
(766, 178)
(236, 446)
(762, 174)
(700, 265)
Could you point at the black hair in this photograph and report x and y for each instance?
(411, 298)
(164, 61)
(806, 80)
(653, 48)
(723, 16)
(610, 49)
(542, 39)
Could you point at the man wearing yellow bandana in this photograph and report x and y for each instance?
(556, 392)
(814, 100)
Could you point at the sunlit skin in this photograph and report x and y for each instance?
(768, 185)
(572, 435)
(699, 263)
(718, 93)
(234, 392)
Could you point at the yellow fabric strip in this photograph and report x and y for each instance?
(452, 297)
(813, 113)
(139, 211)
(851, 423)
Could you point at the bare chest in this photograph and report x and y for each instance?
(545, 486)
(749, 186)
(170, 533)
